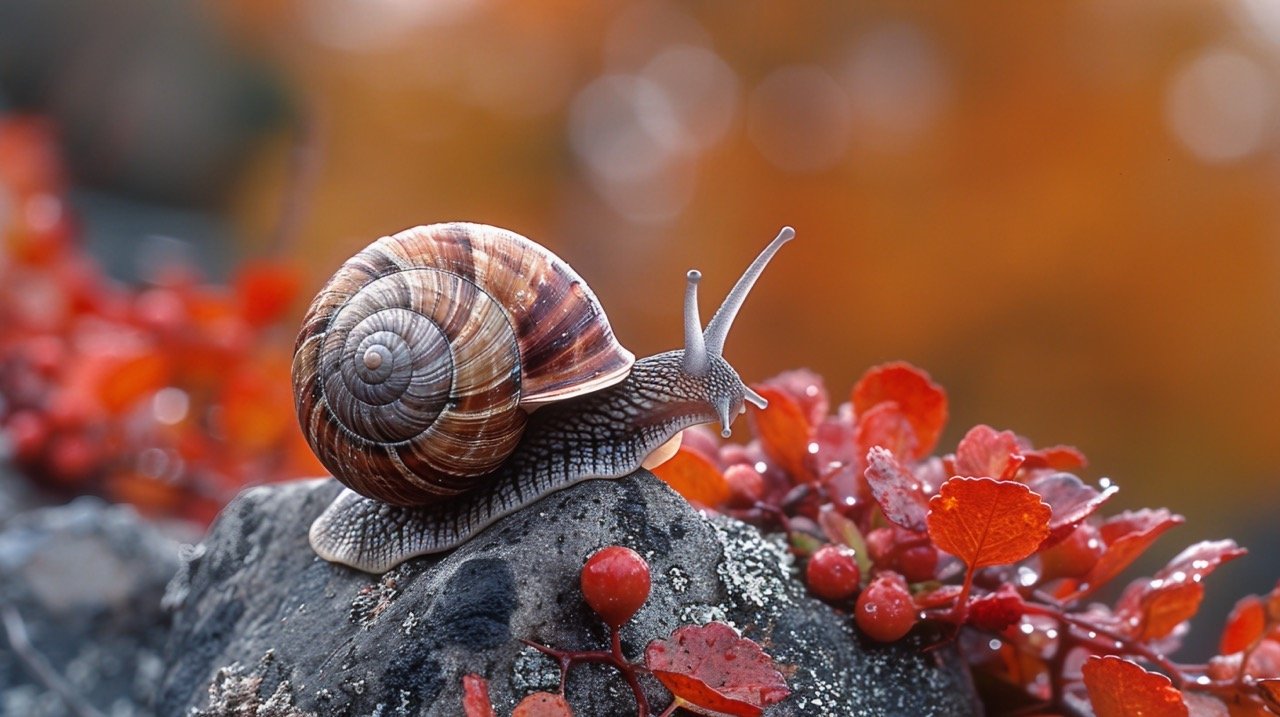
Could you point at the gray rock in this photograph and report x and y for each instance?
(264, 627)
(15, 494)
(80, 589)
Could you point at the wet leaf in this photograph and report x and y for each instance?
(1197, 561)
(714, 670)
(784, 432)
(806, 389)
(1174, 593)
(1202, 705)
(996, 611)
(1245, 625)
(1269, 690)
(923, 402)
(1127, 536)
(691, 475)
(475, 697)
(542, 704)
(984, 451)
(985, 522)
(899, 494)
(1059, 458)
(1072, 502)
(1162, 609)
(885, 425)
(1121, 688)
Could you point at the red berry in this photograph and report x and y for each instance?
(832, 573)
(28, 434)
(885, 611)
(73, 458)
(615, 582)
(880, 546)
(1074, 556)
(918, 563)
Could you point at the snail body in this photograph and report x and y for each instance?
(420, 364)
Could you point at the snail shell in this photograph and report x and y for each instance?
(419, 359)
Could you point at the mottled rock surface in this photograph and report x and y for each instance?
(261, 626)
(80, 590)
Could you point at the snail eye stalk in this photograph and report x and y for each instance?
(718, 327)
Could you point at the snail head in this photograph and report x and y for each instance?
(704, 348)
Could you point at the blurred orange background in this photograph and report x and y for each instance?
(1066, 212)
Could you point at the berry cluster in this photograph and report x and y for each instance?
(709, 669)
(998, 546)
(171, 396)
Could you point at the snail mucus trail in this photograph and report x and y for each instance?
(603, 423)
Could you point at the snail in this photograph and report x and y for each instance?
(421, 362)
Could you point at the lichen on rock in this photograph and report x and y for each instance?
(348, 643)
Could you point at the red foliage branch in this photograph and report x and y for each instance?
(999, 543)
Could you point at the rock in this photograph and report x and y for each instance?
(80, 590)
(264, 627)
(15, 494)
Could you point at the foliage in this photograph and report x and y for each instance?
(171, 396)
(709, 669)
(998, 545)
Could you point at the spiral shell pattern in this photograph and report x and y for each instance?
(417, 361)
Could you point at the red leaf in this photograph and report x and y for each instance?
(543, 704)
(126, 380)
(984, 451)
(899, 494)
(475, 697)
(714, 670)
(1269, 690)
(1120, 688)
(784, 432)
(886, 425)
(691, 475)
(996, 611)
(806, 389)
(922, 401)
(938, 597)
(1127, 536)
(1202, 705)
(1245, 624)
(985, 522)
(1164, 608)
(265, 290)
(1197, 561)
(1059, 458)
(1071, 500)
(1174, 594)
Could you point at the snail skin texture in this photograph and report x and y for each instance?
(421, 361)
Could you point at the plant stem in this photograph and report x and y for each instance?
(613, 656)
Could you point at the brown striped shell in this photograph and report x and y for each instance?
(419, 358)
